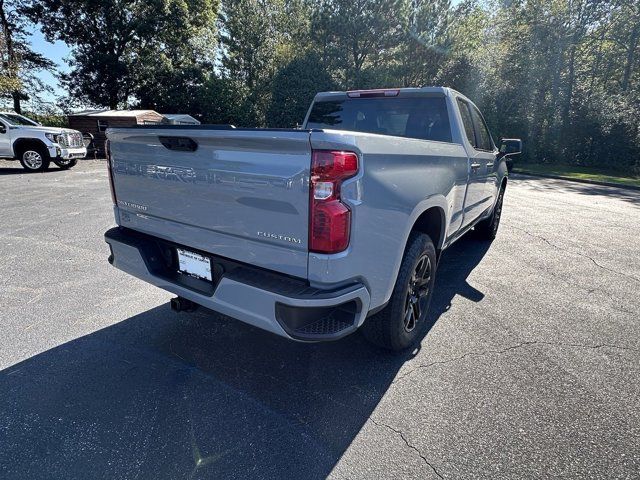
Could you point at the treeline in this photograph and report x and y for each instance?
(561, 74)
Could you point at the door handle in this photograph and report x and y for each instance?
(490, 165)
(475, 166)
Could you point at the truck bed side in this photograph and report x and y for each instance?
(400, 178)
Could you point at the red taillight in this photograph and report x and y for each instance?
(107, 153)
(330, 219)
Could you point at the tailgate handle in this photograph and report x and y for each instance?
(180, 144)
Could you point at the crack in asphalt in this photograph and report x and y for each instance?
(589, 291)
(507, 349)
(411, 446)
(584, 255)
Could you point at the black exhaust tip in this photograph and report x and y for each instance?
(180, 304)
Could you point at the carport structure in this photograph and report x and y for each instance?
(96, 122)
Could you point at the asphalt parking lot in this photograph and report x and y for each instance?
(530, 370)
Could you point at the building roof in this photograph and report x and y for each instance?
(181, 118)
(113, 113)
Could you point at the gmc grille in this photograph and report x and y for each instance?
(70, 140)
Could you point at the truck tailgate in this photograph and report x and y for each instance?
(242, 194)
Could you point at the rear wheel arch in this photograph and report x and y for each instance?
(432, 222)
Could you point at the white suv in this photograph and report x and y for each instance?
(36, 146)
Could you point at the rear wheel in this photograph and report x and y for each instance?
(404, 320)
(34, 159)
(65, 164)
(488, 229)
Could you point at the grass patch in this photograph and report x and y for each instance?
(580, 173)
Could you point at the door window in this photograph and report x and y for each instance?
(484, 137)
(467, 121)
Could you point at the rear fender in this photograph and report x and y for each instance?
(437, 201)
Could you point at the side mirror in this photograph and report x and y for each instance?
(510, 146)
(3, 129)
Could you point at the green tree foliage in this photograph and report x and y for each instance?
(293, 89)
(123, 48)
(257, 37)
(49, 119)
(357, 39)
(562, 74)
(426, 42)
(174, 68)
(565, 78)
(19, 62)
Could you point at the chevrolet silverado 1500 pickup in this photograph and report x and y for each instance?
(314, 232)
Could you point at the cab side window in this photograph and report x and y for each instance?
(484, 137)
(467, 121)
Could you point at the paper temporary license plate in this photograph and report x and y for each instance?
(194, 264)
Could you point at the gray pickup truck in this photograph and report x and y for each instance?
(310, 233)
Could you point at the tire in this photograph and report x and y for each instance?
(66, 164)
(398, 327)
(34, 158)
(488, 229)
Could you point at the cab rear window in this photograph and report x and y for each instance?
(425, 118)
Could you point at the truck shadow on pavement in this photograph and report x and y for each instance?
(554, 186)
(161, 395)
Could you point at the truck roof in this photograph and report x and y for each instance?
(385, 92)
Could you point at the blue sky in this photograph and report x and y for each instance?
(53, 51)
